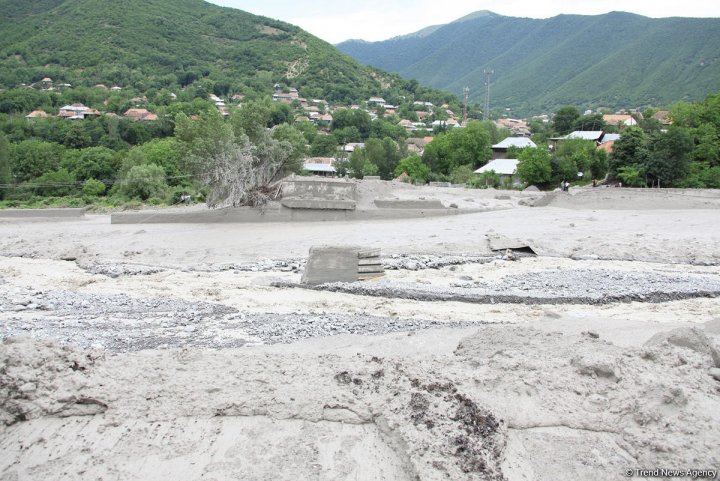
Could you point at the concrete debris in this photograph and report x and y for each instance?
(342, 264)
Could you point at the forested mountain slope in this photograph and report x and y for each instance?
(613, 60)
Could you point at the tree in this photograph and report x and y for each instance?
(414, 167)
(143, 182)
(93, 188)
(205, 137)
(94, 162)
(631, 176)
(242, 174)
(565, 120)
(56, 183)
(383, 154)
(296, 142)
(5, 175)
(359, 165)
(630, 150)
(535, 167)
(76, 137)
(468, 146)
(592, 122)
(252, 119)
(668, 161)
(353, 118)
(324, 146)
(461, 174)
(32, 158)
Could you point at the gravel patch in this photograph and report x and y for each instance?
(581, 286)
(122, 323)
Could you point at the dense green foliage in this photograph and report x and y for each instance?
(535, 167)
(686, 154)
(469, 146)
(616, 60)
(155, 47)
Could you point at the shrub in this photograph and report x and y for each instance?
(143, 182)
(485, 180)
(93, 188)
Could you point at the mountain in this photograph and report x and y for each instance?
(154, 44)
(614, 60)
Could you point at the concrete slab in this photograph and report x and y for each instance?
(41, 213)
(315, 188)
(318, 204)
(331, 264)
(408, 204)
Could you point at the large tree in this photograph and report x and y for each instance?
(565, 120)
(535, 167)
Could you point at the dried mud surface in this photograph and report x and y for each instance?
(190, 352)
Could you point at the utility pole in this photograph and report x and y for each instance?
(486, 110)
(466, 93)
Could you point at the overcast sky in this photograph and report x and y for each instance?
(338, 20)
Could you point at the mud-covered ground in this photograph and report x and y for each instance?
(191, 352)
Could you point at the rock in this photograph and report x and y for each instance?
(715, 373)
(596, 365)
(592, 334)
(688, 338)
(453, 206)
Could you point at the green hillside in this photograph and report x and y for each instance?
(616, 60)
(155, 44)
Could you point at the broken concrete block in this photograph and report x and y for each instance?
(342, 264)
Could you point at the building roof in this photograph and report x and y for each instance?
(35, 114)
(610, 138)
(663, 117)
(617, 119)
(519, 142)
(319, 167)
(500, 166)
(74, 108)
(586, 134)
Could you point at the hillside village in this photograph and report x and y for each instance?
(412, 124)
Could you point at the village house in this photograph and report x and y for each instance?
(506, 169)
(376, 101)
(593, 135)
(417, 145)
(140, 114)
(621, 120)
(519, 128)
(36, 114)
(76, 111)
(500, 149)
(407, 125)
(320, 166)
(352, 146)
(662, 116)
(325, 120)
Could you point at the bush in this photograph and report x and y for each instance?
(93, 188)
(56, 183)
(485, 180)
(143, 182)
(461, 174)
